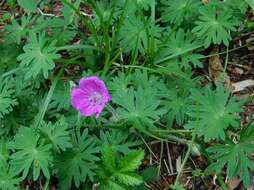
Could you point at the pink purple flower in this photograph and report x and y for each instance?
(90, 97)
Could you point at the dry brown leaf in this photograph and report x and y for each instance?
(216, 70)
(233, 183)
(250, 42)
(242, 85)
(205, 1)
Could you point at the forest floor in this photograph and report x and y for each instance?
(240, 76)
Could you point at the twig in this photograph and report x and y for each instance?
(161, 153)
(148, 147)
(185, 159)
(169, 159)
(45, 14)
(169, 172)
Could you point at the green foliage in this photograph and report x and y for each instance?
(61, 97)
(178, 11)
(8, 180)
(18, 31)
(4, 154)
(145, 4)
(117, 174)
(28, 5)
(119, 83)
(242, 6)
(70, 13)
(39, 55)
(8, 54)
(251, 3)
(133, 35)
(118, 141)
(235, 155)
(182, 48)
(214, 25)
(79, 163)
(213, 112)
(7, 97)
(150, 54)
(176, 105)
(139, 107)
(57, 134)
(30, 154)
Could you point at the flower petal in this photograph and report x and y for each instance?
(88, 87)
(78, 97)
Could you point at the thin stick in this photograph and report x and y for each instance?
(161, 154)
(185, 159)
(169, 172)
(148, 147)
(169, 159)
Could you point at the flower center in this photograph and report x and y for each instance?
(95, 99)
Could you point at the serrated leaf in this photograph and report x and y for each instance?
(129, 179)
(118, 141)
(18, 30)
(131, 161)
(109, 159)
(8, 180)
(133, 35)
(178, 11)
(57, 134)
(30, 155)
(214, 25)
(39, 55)
(79, 163)
(138, 105)
(183, 48)
(213, 112)
(145, 4)
(7, 97)
(119, 173)
(235, 155)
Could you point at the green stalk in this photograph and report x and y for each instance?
(46, 184)
(109, 62)
(134, 56)
(176, 55)
(120, 23)
(225, 67)
(87, 23)
(227, 51)
(11, 72)
(152, 48)
(106, 37)
(80, 46)
(44, 108)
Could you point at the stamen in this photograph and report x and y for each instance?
(95, 99)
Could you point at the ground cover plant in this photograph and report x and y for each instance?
(123, 95)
